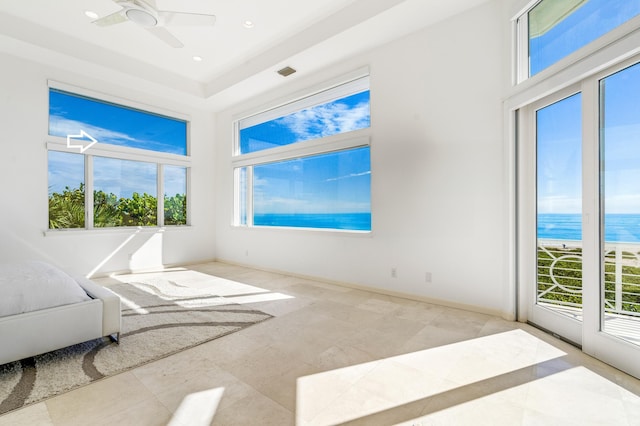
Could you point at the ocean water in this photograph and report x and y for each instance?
(618, 227)
(350, 221)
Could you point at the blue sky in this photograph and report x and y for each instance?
(559, 125)
(591, 20)
(559, 133)
(343, 115)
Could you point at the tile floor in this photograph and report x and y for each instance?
(335, 355)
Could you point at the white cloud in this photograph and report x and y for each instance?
(559, 204)
(325, 120)
(62, 126)
(124, 177)
(175, 180)
(65, 169)
(349, 176)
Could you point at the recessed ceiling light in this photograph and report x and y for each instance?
(91, 14)
(248, 23)
(197, 58)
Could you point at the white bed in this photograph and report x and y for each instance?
(43, 309)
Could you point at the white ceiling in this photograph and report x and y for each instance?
(306, 34)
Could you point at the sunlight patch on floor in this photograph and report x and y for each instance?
(366, 389)
(573, 396)
(197, 409)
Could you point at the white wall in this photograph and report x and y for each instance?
(439, 180)
(23, 175)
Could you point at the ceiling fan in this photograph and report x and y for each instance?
(145, 14)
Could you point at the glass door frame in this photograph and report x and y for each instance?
(596, 342)
(546, 318)
(589, 333)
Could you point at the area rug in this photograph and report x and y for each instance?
(159, 318)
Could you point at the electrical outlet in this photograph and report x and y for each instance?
(427, 277)
(394, 273)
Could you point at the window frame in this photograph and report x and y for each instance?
(348, 85)
(160, 159)
(520, 47)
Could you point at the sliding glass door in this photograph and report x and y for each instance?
(579, 203)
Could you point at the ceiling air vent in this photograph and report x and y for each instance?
(286, 71)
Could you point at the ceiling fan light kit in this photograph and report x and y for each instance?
(141, 17)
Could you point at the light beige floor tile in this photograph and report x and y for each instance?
(353, 297)
(458, 320)
(36, 414)
(379, 305)
(225, 349)
(420, 312)
(282, 304)
(226, 387)
(478, 412)
(174, 378)
(577, 394)
(400, 385)
(376, 345)
(498, 325)
(391, 324)
(146, 413)
(541, 418)
(350, 405)
(113, 394)
(432, 336)
(344, 312)
(254, 409)
(339, 356)
(282, 388)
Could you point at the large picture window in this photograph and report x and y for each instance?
(109, 164)
(306, 164)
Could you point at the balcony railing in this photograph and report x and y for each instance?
(560, 276)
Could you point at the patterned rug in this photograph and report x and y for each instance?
(159, 318)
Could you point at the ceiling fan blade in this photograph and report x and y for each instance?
(165, 36)
(114, 18)
(186, 19)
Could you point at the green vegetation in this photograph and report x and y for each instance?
(66, 209)
(175, 210)
(567, 271)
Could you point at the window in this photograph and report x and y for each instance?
(109, 163)
(306, 164)
(554, 29)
